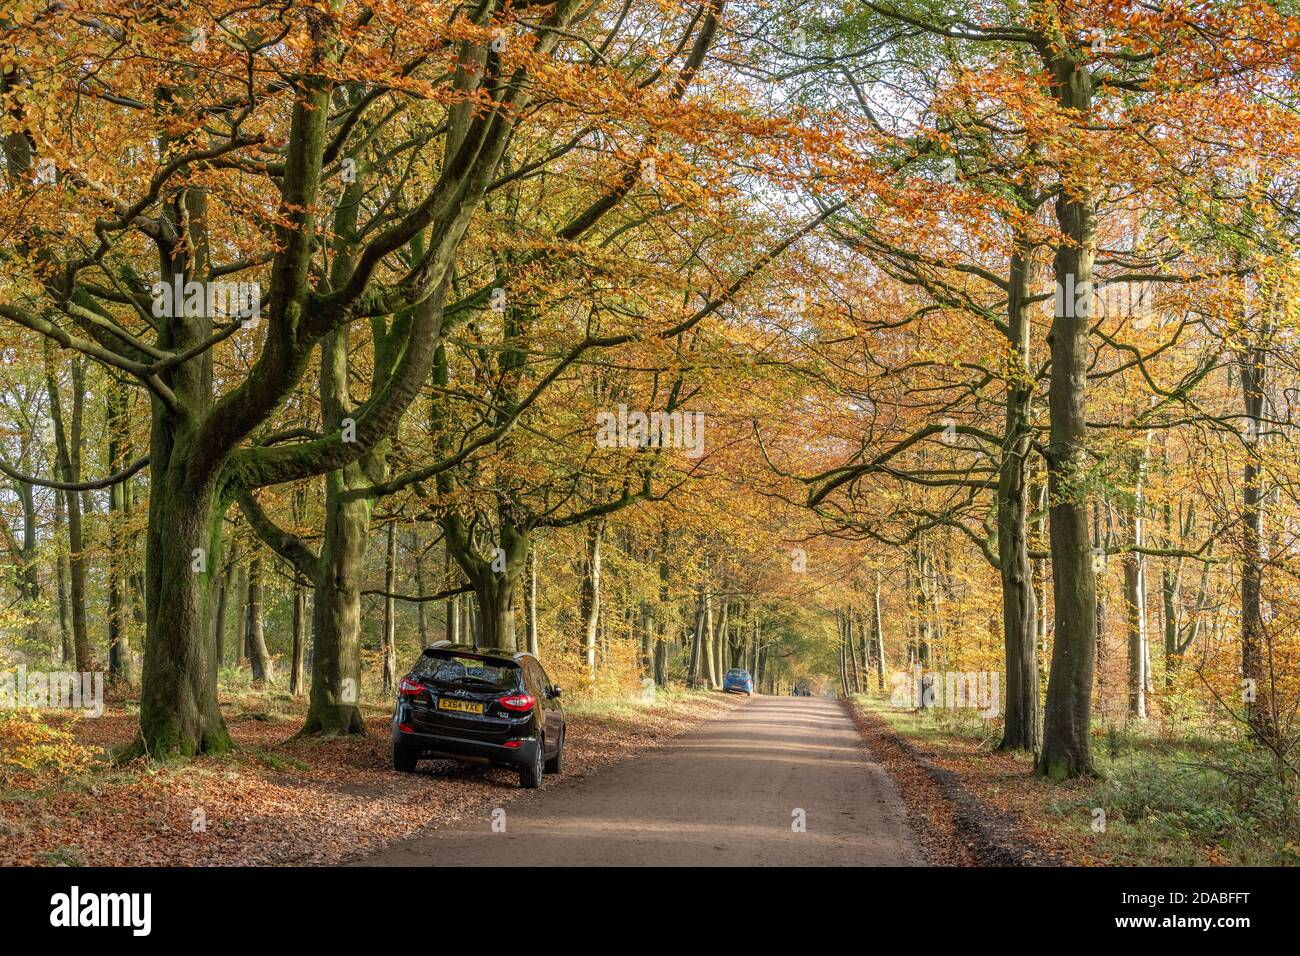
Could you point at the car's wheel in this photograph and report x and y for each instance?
(556, 763)
(404, 759)
(530, 777)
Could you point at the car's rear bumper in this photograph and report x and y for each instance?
(441, 745)
(739, 689)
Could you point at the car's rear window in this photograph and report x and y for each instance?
(452, 668)
(734, 672)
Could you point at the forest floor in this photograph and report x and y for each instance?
(280, 800)
(1158, 800)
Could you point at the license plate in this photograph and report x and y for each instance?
(460, 706)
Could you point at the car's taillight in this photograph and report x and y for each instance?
(406, 728)
(410, 688)
(514, 744)
(519, 702)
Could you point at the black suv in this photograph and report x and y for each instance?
(479, 703)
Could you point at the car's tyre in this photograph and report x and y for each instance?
(404, 759)
(530, 777)
(556, 763)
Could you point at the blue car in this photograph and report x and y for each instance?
(738, 680)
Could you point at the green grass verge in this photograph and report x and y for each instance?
(665, 697)
(1169, 800)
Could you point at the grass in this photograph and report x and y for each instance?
(63, 856)
(1184, 803)
(1170, 798)
(932, 724)
(278, 762)
(631, 705)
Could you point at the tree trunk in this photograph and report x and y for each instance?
(298, 659)
(219, 620)
(1101, 542)
(225, 589)
(1041, 573)
(241, 620)
(1254, 667)
(662, 611)
(336, 609)
(336, 593)
(389, 675)
(843, 661)
(119, 646)
(530, 603)
(67, 438)
(1170, 586)
(26, 578)
(864, 650)
(469, 619)
(1019, 604)
(878, 632)
(421, 607)
(495, 580)
(1067, 740)
(718, 641)
(855, 673)
(178, 701)
(258, 656)
(135, 579)
(706, 642)
(1135, 600)
(61, 577)
(451, 626)
(646, 628)
(1171, 589)
(1135, 607)
(921, 608)
(697, 643)
(590, 600)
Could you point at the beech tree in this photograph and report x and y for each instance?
(284, 122)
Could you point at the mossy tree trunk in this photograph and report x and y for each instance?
(1019, 606)
(1135, 598)
(258, 656)
(179, 714)
(297, 674)
(67, 447)
(119, 645)
(1255, 665)
(336, 613)
(1067, 742)
(878, 637)
(494, 577)
(589, 602)
(389, 644)
(530, 602)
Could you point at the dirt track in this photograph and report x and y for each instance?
(724, 793)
